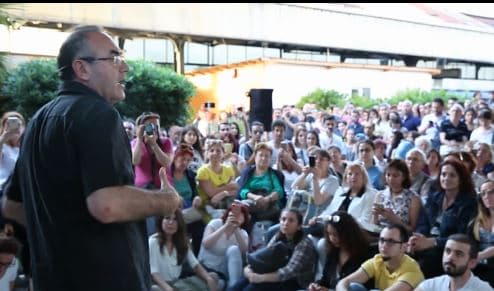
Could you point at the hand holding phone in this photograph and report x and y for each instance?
(312, 161)
(13, 124)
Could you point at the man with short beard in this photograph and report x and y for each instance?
(459, 258)
(391, 269)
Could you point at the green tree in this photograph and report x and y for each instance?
(323, 99)
(364, 102)
(30, 86)
(151, 87)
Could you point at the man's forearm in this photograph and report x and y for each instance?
(128, 203)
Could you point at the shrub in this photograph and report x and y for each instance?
(151, 87)
(323, 99)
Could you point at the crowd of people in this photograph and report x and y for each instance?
(406, 175)
(395, 197)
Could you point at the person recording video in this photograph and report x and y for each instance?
(149, 151)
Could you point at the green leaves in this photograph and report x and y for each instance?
(156, 88)
(150, 87)
(323, 99)
(30, 86)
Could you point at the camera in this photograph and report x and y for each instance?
(150, 129)
(13, 123)
(312, 161)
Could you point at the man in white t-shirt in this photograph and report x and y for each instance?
(459, 258)
(9, 265)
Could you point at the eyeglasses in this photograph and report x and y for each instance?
(487, 193)
(257, 132)
(389, 241)
(116, 59)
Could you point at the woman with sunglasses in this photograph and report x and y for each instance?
(226, 242)
(169, 251)
(344, 248)
(298, 272)
(481, 229)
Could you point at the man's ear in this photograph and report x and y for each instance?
(81, 69)
(472, 263)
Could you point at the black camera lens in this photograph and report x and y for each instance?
(149, 129)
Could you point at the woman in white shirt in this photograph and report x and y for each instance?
(168, 251)
(225, 242)
(12, 128)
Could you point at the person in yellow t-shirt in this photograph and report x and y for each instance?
(217, 187)
(391, 269)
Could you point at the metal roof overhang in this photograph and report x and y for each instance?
(283, 26)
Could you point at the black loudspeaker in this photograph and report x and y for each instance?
(261, 107)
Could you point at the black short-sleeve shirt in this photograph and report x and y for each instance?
(454, 132)
(74, 145)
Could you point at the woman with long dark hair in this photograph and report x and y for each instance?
(446, 212)
(345, 247)
(397, 203)
(299, 270)
(168, 251)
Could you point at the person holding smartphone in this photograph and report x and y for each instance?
(12, 128)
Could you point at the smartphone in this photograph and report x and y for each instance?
(228, 148)
(13, 123)
(149, 129)
(312, 161)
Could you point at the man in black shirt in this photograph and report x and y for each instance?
(72, 184)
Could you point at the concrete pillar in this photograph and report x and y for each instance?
(178, 54)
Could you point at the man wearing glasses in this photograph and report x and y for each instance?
(247, 148)
(73, 182)
(391, 269)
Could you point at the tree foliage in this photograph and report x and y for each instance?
(159, 89)
(323, 99)
(29, 86)
(149, 88)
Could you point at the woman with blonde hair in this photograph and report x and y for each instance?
(481, 229)
(217, 187)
